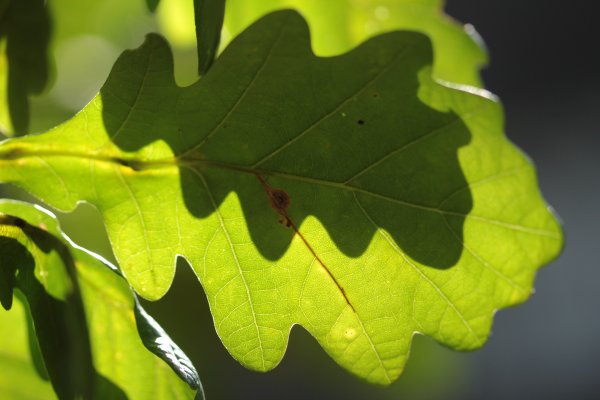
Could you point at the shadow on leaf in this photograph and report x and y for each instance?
(345, 139)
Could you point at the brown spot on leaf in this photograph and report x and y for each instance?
(280, 202)
(278, 198)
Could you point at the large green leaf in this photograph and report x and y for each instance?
(122, 367)
(352, 195)
(339, 25)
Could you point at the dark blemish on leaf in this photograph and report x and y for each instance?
(126, 163)
(375, 94)
(278, 199)
(120, 161)
(280, 202)
(360, 122)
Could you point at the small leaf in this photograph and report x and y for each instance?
(152, 4)
(158, 342)
(353, 195)
(208, 16)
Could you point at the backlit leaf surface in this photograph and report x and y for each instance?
(352, 195)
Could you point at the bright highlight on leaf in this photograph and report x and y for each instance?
(352, 195)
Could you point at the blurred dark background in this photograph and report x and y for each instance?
(543, 67)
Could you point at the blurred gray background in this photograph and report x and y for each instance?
(545, 68)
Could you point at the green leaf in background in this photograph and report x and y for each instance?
(209, 21)
(152, 4)
(339, 25)
(352, 195)
(24, 65)
(19, 380)
(41, 270)
(125, 369)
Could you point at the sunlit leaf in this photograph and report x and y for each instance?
(352, 195)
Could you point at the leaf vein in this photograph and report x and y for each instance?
(237, 262)
(421, 274)
(233, 108)
(360, 90)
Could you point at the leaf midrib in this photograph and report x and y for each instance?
(139, 166)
